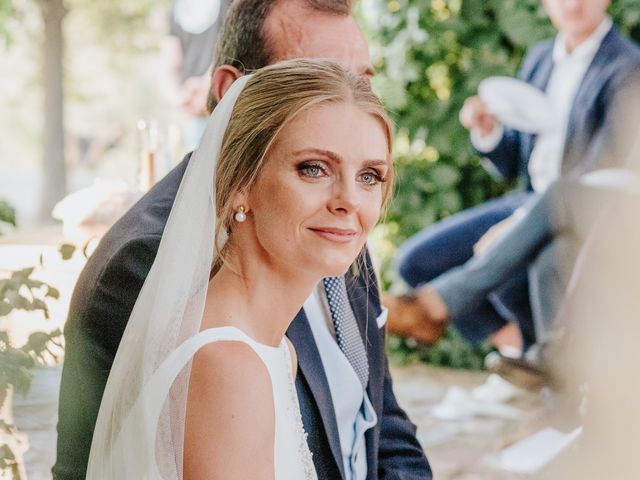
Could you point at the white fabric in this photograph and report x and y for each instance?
(354, 412)
(567, 74)
(615, 179)
(195, 16)
(381, 320)
(566, 77)
(139, 432)
(149, 405)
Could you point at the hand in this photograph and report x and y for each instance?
(493, 234)
(475, 115)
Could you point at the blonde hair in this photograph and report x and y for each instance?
(269, 101)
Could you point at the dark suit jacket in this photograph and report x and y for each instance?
(100, 307)
(613, 71)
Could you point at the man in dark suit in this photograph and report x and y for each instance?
(256, 33)
(585, 72)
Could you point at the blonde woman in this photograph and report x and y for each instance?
(292, 173)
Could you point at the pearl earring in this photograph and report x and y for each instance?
(240, 216)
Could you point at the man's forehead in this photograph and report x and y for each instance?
(298, 32)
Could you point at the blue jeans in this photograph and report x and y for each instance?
(546, 240)
(448, 244)
(466, 286)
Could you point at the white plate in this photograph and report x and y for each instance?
(518, 105)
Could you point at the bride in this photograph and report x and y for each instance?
(291, 175)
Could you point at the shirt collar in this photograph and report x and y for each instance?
(586, 49)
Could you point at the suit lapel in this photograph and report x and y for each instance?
(366, 314)
(359, 295)
(586, 95)
(593, 77)
(540, 79)
(311, 367)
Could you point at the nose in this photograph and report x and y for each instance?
(344, 197)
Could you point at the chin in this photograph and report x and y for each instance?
(338, 267)
(336, 272)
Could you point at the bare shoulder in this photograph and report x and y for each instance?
(230, 419)
(233, 361)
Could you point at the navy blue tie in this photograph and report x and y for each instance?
(346, 327)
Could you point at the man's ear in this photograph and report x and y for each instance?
(222, 79)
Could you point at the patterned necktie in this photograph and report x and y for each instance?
(347, 332)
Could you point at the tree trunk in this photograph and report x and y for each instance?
(54, 175)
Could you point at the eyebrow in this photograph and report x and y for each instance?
(338, 159)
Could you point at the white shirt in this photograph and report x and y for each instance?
(567, 74)
(354, 412)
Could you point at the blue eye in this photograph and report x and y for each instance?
(371, 178)
(368, 178)
(313, 170)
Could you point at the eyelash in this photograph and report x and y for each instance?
(376, 176)
(304, 168)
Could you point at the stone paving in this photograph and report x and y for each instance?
(460, 449)
(36, 416)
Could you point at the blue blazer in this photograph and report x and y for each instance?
(615, 68)
(100, 307)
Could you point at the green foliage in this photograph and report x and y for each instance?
(16, 363)
(5, 12)
(20, 291)
(431, 56)
(7, 216)
(450, 351)
(8, 460)
(67, 250)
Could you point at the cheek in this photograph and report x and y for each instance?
(283, 206)
(370, 211)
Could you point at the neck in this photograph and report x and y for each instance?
(258, 299)
(573, 40)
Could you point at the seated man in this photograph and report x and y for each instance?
(553, 229)
(344, 444)
(586, 66)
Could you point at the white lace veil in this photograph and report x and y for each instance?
(168, 311)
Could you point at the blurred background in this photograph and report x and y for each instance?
(86, 102)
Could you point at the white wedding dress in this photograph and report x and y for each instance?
(292, 458)
(139, 432)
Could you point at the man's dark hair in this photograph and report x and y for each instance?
(242, 42)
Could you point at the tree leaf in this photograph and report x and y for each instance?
(67, 250)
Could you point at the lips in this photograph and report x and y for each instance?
(337, 235)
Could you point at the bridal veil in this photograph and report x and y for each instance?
(141, 396)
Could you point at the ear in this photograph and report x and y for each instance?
(222, 79)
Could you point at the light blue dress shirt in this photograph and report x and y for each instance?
(354, 412)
